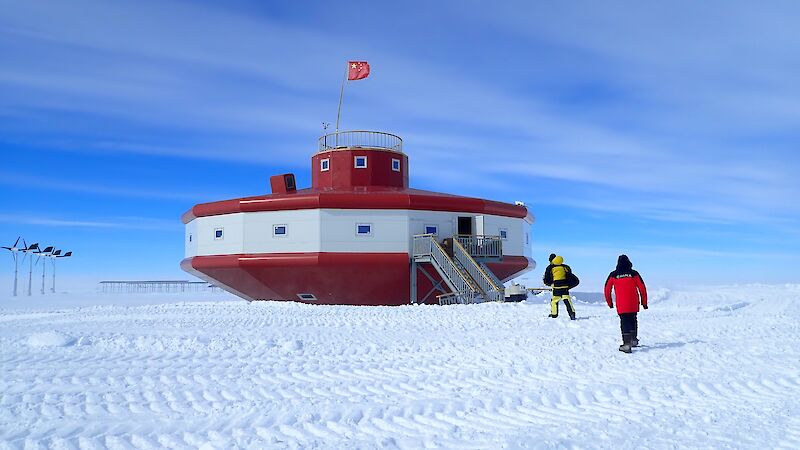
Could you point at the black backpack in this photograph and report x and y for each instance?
(572, 280)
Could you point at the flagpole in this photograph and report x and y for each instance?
(341, 94)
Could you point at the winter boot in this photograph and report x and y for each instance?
(626, 343)
(570, 308)
(634, 341)
(553, 316)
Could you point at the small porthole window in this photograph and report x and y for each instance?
(190, 237)
(364, 229)
(279, 230)
(432, 229)
(503, 233)
(396, 165)
(218, 234)
(527, 238)
(307, 297)
(360, 162)
(324, 164)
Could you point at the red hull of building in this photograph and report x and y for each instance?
(333, 278)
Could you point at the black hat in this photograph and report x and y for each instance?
(552, 255)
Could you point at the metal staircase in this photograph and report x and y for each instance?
(490, 290)
(468, 280)
(462, 288)
(497, 281)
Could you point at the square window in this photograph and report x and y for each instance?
(396, 165)
(218, 234)
(503, 233)
(432, 229)
(307, 297)
(279, 230)
(364, 229)
(360, 162)
(324, 164)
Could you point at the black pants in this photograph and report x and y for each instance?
(628, 324)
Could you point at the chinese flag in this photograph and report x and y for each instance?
(357, 70)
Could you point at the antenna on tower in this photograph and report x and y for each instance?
(14, 254)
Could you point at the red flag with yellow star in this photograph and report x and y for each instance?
(357, 70)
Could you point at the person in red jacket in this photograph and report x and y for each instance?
(629, 288)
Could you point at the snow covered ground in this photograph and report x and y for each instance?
(719, 368)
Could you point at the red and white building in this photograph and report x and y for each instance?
(359, 235)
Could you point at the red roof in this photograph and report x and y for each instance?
(359, 197)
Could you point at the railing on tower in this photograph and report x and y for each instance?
(360, 138)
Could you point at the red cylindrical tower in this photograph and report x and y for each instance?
(378, 161)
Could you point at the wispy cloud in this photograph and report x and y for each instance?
(109, 189)
(682, 140)
(663, 252)
(138, 223)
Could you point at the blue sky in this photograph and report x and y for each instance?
(666, 131)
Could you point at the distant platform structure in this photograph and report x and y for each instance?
(156, 286)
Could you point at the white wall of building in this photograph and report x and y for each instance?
(302, 231)
(447, 222)
(190, 238)
(334, 230)
(232, 240)
(517, 232)
(389, 230)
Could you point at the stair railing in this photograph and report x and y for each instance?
(455, 299)
(497, 281)
(426, 246)
(486, 283)
(422, 245)
(481, 246)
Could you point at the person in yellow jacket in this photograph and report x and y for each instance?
(560, 277)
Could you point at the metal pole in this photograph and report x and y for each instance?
(30, 275)
(413, 268)
(44, 267)
(341, 94)
(16, 269)
(53, 290)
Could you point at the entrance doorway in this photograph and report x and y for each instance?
(465, 226)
